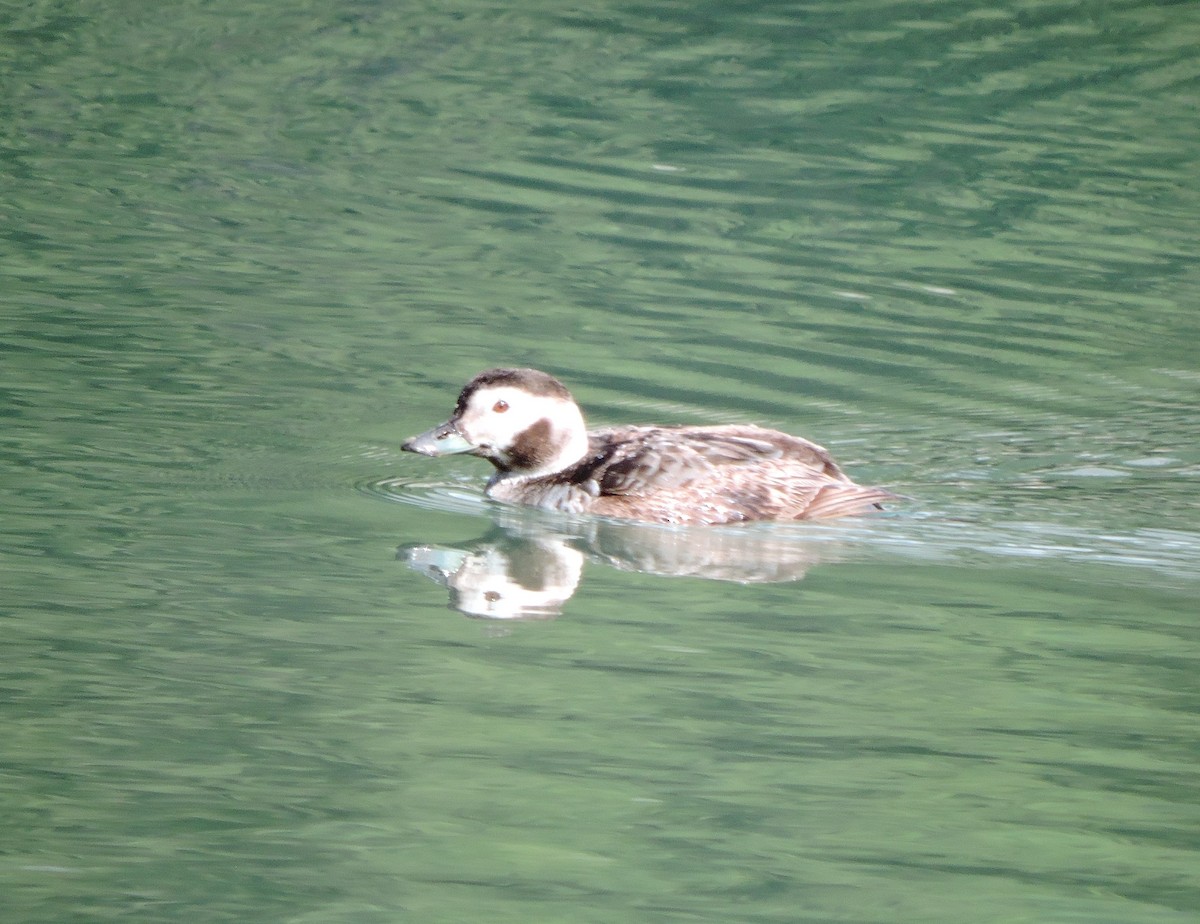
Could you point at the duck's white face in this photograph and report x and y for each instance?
(509, 424)
(525, 431)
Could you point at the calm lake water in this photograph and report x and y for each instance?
(254, 662)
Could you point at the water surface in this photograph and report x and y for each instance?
(250, 248)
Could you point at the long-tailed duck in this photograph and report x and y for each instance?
(529, 427)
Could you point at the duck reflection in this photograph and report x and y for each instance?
(528, 568)
(506, 577)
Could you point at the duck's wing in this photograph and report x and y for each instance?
(633, 461)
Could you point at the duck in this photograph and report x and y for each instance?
(528, 426)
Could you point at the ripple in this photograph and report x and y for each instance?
(440, 496)
(960, 533)
(934, 537)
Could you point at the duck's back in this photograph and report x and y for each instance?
(703, 476)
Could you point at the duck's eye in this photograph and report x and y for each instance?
(500, 407)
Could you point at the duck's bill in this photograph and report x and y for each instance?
(442, 440)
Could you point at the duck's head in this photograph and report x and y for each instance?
(521, 420)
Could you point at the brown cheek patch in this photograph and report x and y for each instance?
(531, 447)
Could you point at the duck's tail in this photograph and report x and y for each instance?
(846, 500)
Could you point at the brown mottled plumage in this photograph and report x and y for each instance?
(528, 426)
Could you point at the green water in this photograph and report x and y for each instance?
(247, 248)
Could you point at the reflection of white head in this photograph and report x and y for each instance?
(526, 579)
(492, 585)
